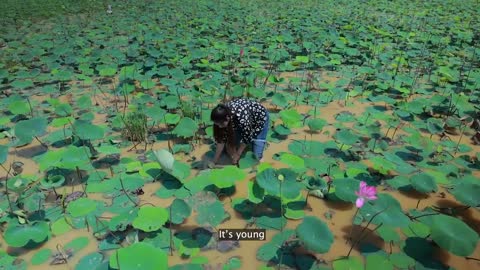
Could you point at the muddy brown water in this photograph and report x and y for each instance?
(339, 224)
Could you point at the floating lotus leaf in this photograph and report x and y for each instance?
(41, 256)
(21, 235)
(3, 153)
(454, 235)
(141, 256)
(467, 193)
(186, 128)
(180, 211)
(150, 218)
(315, 235)
(424, 183)
(87, 131)
(90, 261)
(27, 129)
(391, 213)
(82, 207)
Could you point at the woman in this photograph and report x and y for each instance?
(238, 123)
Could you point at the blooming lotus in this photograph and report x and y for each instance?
(365, 193)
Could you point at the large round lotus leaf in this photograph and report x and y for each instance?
(291, 118)
(316, 124)
(21, 235)
(248, 161)
(180, 210)
(87, 131)
(181, 170)
(268, 180)
(388, 234)
(377, 261)
(27, 129)
(401, 260)
(41, 256)
(211, 214)
(391, 211)
(60, 226)
(141, 256)
(81, 207)
(416, 229)
(270, 250)
(282, 130)
(467, 193)
(3, 153)
(187, 127)
(90, 262)
(435, 126)
(19, 107)
(52, 181)
(345, 189)
(191, 266)
(315, 235)
(226, 176)
(351, 263)
(120, 222)
(279, 100)
(255, 192)
(454, 235)
(165, 159)
(346, 137)
(295, 162)
(424, 183)
(273, 222)
(150, 218)
(311, 148)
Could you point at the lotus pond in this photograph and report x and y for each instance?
(372, 159)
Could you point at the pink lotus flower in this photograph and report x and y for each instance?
(241, 52)
(365, 193)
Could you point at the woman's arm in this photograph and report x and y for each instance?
(218, 152)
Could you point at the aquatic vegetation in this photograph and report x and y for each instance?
(374, 111)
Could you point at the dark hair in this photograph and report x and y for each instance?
(220, 114)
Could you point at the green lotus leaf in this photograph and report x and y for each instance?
(141, 256)
(150, 218)
(315, 235)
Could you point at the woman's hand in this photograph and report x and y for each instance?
(218, 152)
(235, 158)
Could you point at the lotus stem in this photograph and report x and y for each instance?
(30, 105)
(126, 193)
(460, 139)
(43, 144)
(80, 179)
(471, 258)
(7, 171)
(349, 238)
(6, 189)
(362, 237)
(425, 215)
(395, 131)
(281, 207)
(363, 230)
(171, 236)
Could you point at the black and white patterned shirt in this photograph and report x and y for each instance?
(248, 117)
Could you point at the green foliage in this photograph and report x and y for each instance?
(136, 128)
